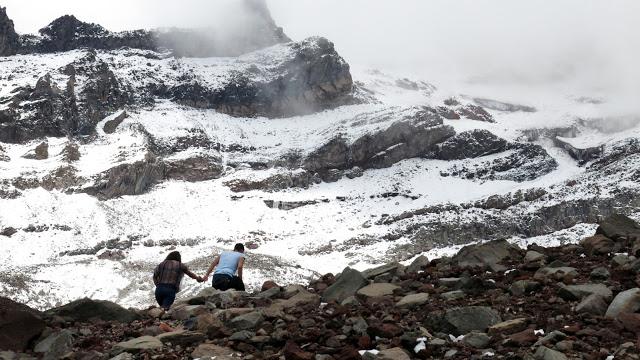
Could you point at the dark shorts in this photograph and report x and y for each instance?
(165, 295)
(226, 282)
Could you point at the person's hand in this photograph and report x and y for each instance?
(199, 279)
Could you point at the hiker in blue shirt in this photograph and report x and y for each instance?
(226, 266)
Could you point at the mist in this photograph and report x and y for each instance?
(588, 45)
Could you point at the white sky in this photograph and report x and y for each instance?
(593, 42)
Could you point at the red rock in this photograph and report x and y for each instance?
(348, 353)
(385, 330)
(364, 342)
(293, 352)
(269, 285)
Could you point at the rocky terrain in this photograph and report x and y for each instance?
(490, 300)
(117, 147)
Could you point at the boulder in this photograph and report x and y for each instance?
(86, 309)
(417, 264)
(476, 339)
(413, 300)
(9, 39)
(346, 285)
(487, 255)
(577, 292)
(598, 244)
(627, 301)
(523, 287)
(593, 304)
(544, 353)
(182, 338)
(211, 325)
(453, 295)
(40, 152)
(555, 273)
(599, 273)
(462, 320)
(293, 352)
(137, 345)
(390, 268)
(395, 353)
(619, 227)
(301, 299)
(377, 290)
(249, 321)
(19, 325)
(114, 121)
(55, 345)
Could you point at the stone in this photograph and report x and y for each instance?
(347, 284)
(462, 320)
(293, 352)
(384, 269)
(182, 337)
(19, 325)
(269, 284)
(211, 325)
(417, 264)
(137, 345)
(533, 256)
(269, 293)
(41, 152)
(626, 301)
(413, 300)
(544, 353)
(453, 295)
(555, 273)
(243, 335)
(620, 260)
(599, 273)
(523, 287)
(393, 354)
(508, 327)
(302, 298)
(449, 282)
(350, 301)
(593, 304)
(55, 345)
(598, 244)
(123, 356)
(476, 339)
(377, 290)
(630, 321)
(203, 296)
(111, 125)
(184, 312)
(523, 338)
(248, 321)
(618, 227)
(212, 351)
(577, 292)
(487, 255)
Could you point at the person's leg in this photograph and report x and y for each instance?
(159, 295)
(169, 298)
(236, 283)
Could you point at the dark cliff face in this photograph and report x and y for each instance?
(9, 39)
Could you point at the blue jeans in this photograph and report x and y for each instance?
(165, 295)
(225, 282)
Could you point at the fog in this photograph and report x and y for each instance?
(592, 45)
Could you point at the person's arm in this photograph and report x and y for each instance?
(190, 274)
(240, 265)
(213, 266)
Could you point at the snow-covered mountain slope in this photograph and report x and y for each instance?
(399, 169)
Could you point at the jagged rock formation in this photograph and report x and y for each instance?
(469, 144)
(502, 106)
(9, 39)
(310, 77)
(582, 155)
(535, 303)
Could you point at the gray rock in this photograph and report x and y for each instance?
(9, 39)
(555, 273)
(123, 356)
(393, 354)
(137, 345)
(577, 292)
(377, 290)
(243, 335)
(413, 300)
(533, 256)
(19, 325)
(351, 300)
(469, 144)
(625, 301)
(182, 338)
(620, 260)
(599, 273)
(453, 295)
(619, 227)
(522, 287)
(128, 179)
(347, 284)
(449, 282)
(487, 255)
(598, 244)
(544, 353)
(249, 321)
(55, 345)
(476, 339)
(193, 169)
(111, 125)
(417, 264)
(380, 270)
(86, 309)
(462, 320)
(593, 304)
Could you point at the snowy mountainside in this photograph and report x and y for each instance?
(384, 169)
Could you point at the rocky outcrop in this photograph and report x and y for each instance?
(469, 144)
(582, 155)
(523, 163)
(19, 325)
(412, 136)
(128, 179)
(502, 106)
(307, 76)
(195, 168)
(9, 39)
(88, 309)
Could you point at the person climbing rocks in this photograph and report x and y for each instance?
(226, 265)
(167, 277)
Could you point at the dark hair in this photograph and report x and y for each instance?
(239, 247)
(174, 255)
